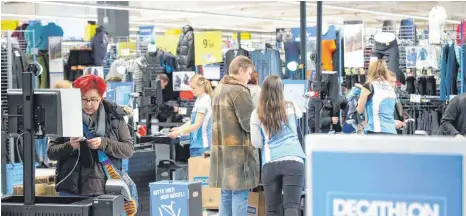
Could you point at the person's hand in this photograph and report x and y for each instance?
(174, 134)
(176, 109)
(399, 124)
(94, 143)
(334, 120)
(175, 129)
(459, 136)
(74, 141)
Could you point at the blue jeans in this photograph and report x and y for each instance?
(234, 202)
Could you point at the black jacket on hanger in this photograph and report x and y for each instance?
(231, 54)
(185, 50)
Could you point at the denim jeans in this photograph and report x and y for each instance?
(286, 177)
(234, 203)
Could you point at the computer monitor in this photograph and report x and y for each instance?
(57, 112)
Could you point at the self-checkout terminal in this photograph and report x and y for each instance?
(34, 113)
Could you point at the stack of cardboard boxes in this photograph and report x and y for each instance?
(199, 168)
(45, 186)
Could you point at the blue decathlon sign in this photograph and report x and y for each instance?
(146, 31)
(384, 176)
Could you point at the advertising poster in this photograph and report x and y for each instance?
(119, 92)
(175, 198)
(354, 53)
(181, 80)
(373, 175)
(98, 71)
(294, 90)
(55, 60)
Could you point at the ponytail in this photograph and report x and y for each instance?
(203, 82)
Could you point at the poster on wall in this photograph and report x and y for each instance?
(421, 57)
(354, 52)
(181, 80)
(55, 54)
(98, 71)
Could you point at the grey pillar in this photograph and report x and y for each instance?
(118, 20)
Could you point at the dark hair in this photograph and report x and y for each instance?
(272, 105)
(254, 78)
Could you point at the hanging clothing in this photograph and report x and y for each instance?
(292, 55)
(99, 46)
(451, 71)
(19, 34)
(185, 50)
(437, 19)
(266, 63)
(44, 79)
(147, 69)
(33, 36)
(407, 30)
(328, 47)
(461, 33)
(233, 53)
(18, 66)
(49, 30)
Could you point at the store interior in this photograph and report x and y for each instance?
(130, 44)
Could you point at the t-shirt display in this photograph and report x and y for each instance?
(328, 47)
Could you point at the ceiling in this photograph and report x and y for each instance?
(252, 16)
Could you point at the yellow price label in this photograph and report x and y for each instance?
(243, 36)
(208, 47)
(9, 25)
(167, 43)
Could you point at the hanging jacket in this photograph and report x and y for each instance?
(185, 50)
(99, 46)
(117, 143)
(18, 66)
(32, 35)
(19, 33)
(50, 30)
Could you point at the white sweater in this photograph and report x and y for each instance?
(437, 19)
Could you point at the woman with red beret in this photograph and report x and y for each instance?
(79, 172)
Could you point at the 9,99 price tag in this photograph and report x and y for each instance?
(208, 47)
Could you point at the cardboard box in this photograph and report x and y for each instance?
(180, 198)
(256, 204)
(40, 190)
(51, 190)
(199, 171)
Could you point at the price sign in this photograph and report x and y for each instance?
(415, 98)
(208, 47)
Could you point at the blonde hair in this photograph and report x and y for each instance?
(63, 84)
(201, 81)
(239, 62)
(378, 70)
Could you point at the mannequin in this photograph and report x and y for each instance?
(386, 46)
(384, 37)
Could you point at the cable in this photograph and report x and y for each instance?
(72, 170)
(17, 145)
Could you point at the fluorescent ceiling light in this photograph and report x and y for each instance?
(127, 8)
(378, 13)
(32, 16)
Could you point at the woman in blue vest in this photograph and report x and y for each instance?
(274, 130)
(378, 100)
(200, 126)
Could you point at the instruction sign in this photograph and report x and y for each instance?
(372, 175)
(175, 198)
(208, 47)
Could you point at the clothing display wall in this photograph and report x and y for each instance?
(266, 62)
(231, 54)
(185, 50)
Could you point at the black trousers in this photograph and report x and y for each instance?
(286, 176)
(390, 50)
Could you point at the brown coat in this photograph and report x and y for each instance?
(234, 162)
